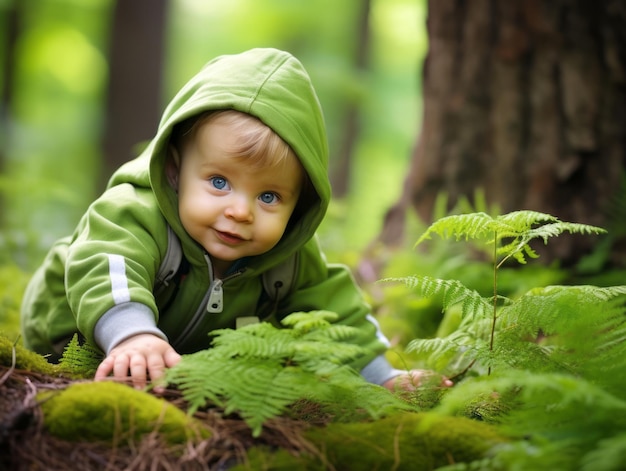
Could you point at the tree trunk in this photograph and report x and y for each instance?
(340, 175)
(134, 98)
(12, 25)
(524, 99)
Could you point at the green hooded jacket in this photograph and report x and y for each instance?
(100, 281)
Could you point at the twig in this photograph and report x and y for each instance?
(465, 370)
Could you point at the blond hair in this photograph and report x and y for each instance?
(257, 143)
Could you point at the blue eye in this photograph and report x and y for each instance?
(269, 198)
(219, 182)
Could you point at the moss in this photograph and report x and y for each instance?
(24, 359)
(112, 412)
(409, 441)
(266, 459)
(405, 442)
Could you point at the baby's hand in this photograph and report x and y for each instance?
(413, 379)
(144, 356)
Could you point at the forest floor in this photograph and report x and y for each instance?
(25, 444)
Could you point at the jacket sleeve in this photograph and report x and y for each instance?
(324, 286)
(112, 264)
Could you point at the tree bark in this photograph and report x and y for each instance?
(134, 97)
(524, 99)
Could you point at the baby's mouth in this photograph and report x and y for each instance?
(229, 237)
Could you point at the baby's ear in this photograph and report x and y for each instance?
(172, 166)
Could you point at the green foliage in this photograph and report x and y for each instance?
(546, 365)
(12, 284)
(114, 413)
(259, 370)
(510, 234)
(80, 360)
(408, 315)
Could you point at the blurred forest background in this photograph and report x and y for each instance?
(431, 107)
(84, 84)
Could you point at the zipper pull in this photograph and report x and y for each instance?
(216, 298)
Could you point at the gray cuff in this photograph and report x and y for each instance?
(378, 371)
(124, 321)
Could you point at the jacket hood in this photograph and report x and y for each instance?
(269, 84)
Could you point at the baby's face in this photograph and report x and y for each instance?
(230, 208)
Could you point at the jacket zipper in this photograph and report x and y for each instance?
(212, 302)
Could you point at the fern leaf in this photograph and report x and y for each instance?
(259, 370)
(520, 226)
(336, 332)
(461, 226)
(80, 360)
(257, 340)
(451, 291)
(265, 390)
(557, 228)
(608, 455)
(306, 321)
(521, 221)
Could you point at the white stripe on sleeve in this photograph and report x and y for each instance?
(379, 333)
(119, 282)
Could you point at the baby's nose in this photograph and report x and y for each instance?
(240, 209)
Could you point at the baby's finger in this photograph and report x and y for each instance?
(120, 367)
(138, 371)
(104, 369)
(171, 358)
(156, 366)
(447, 383)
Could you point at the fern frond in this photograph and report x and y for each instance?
(336, 332)
(596, 293)
(245, 342)
(434, 347)
(518, 249)
(306, 321)
(460, 226)
(444, 353)
(80, 360)
(520, 221)
(562, 418)
(311, 355)
(259, 370)
(557, 228)
(264, 391)
(451, 291)
(578, 329)
(608, 455)
(536, 392)
(519, 226)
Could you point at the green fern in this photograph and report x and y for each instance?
(451, 291)
(563, 418)
(558, 353)
(80, 360)
(258, 371)
(520, 226)
(510, 236)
